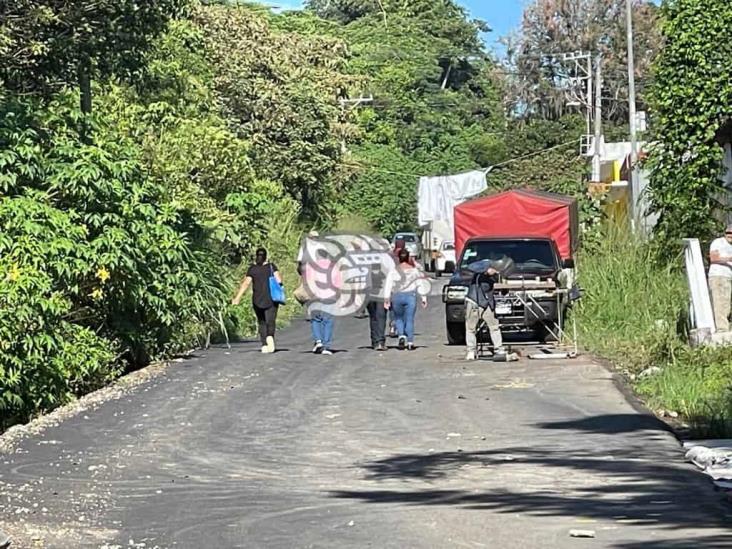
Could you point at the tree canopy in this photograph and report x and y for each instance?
(692, 100)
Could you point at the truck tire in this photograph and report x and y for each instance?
(455, 333)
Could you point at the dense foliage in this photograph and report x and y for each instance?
(432, 106)
(123, 230)
(692, 101)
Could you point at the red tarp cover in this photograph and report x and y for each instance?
(520, 213)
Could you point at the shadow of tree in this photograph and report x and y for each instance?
(635, 484)
(611, 424)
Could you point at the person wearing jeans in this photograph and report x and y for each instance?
(403, 285)
(323, 280)
(321, 324)
(404, 305)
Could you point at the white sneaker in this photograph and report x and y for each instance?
(265, 350)
(499, 351)
(318, 348)
(470, 356)
(327, 352)
(270, 344)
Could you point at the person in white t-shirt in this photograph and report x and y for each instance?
(720, 278)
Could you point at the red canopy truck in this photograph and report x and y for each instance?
(539, 232)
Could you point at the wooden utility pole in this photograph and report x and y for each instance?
(632, 114)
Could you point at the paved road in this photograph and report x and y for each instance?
(361, 449)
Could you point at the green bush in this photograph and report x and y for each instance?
(97, 260)
(696, 383)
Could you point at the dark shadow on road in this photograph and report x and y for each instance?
(636, 483)
(720, 542)
(611, 424)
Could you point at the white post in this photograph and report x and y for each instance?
(698, 288)
(596, 160)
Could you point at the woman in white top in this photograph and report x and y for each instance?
(403, 286)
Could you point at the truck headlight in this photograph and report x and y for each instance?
(455, 293)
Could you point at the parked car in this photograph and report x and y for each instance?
(445, 260)
(411, 243)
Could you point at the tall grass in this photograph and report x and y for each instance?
(633, 303)
(634, 314)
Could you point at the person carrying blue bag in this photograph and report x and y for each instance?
(267, 295)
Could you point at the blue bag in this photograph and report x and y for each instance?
(276, 290)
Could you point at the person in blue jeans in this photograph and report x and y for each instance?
(321, 324)
(402, 291)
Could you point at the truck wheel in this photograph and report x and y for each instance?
(455, 333)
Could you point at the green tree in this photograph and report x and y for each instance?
(47, 44)
(691, 99)
(281, 91)
(435, 106)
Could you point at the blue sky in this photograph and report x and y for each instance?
(502, 15)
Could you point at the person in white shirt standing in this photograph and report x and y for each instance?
(720, 278)
(404, 285)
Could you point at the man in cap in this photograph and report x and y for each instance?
(720, 278)
(480, 304)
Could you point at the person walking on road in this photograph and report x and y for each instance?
(399, 245)
(265, 308)
(720, 278)
(322, 282)
(480, 305)
(375, 308)
(404, 285)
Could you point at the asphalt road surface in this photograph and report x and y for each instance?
(362, 449)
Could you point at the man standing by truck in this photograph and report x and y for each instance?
(480, 305)
(720, 278)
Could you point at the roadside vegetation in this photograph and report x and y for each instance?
(144, 157)
(636, 309)
(635, 314)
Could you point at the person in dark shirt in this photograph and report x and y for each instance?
(375, 307)
(264, 308)
(480, 304)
